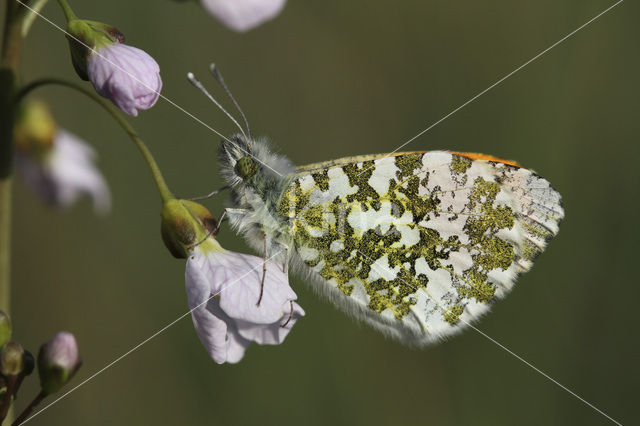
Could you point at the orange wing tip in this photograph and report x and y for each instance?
(476, 156)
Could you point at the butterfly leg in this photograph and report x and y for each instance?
(264, 271)
(290, 315)
(285, 262)
(204, 197)
(217, 228)
(212, 232)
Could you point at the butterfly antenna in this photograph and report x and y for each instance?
(192, 78)
(218, 76)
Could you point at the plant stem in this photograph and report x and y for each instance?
(6, 403)
(27, 411)
(161, 184)
(9, 61)
(68, 12)
(31, 14)
(5, 244)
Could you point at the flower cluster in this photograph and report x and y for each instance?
(58, 362)
(235, 299)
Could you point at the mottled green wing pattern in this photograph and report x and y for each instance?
(418, 244)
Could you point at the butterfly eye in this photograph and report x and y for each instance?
(246, 167)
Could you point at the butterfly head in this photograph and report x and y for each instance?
(250, 163)
(237, 158)
(246, 167)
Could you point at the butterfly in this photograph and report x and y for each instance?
(417, 244)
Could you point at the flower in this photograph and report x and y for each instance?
(230, 306)
(58, 361)
(126, 75)
(63, 171)
(243, 15)
(223, 290)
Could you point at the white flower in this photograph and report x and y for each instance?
(223, 289)
(64, 172)
(242, 15)
(126, 75)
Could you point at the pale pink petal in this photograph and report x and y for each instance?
(66, 173)
(236, 345)
(211, 330)
(272, 334)
(126, 75)
(72, 167)
(242, 15)
(240, 295)
(36, 176)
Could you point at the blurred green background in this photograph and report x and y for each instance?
(325, 80)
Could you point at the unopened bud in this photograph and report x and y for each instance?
(124, 74)
(58, 361)
(28, 363)
(5, 328)
(11, 359)
(85, 37)
(35, 128)
(184, 224)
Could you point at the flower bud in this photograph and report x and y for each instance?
(124, 74)
(58, 361)
(11, 359)
(184, 224)
(5, 328)
(28, 363)
(85, 37)
(35, 128)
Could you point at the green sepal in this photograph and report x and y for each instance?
(54, 377)
(185, 224)
(35, 129)
(87, 36)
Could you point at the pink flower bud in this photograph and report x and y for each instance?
(126, 75)
(58, 361)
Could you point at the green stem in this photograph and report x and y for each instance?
(9, 61)
(6, 403)
(5, 244)
(165, 193)
(68, 12)
(31, 14)
(27, 411)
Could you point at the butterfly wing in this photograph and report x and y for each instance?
(418, 244)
